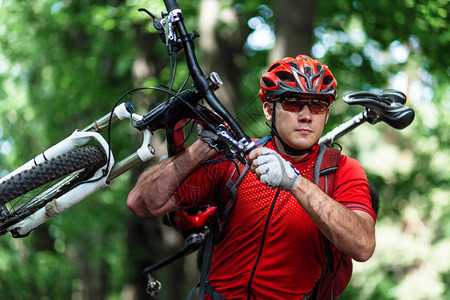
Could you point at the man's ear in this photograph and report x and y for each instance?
(268, 109)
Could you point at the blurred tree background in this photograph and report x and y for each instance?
(65, 63)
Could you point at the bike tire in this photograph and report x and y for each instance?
(26, 192)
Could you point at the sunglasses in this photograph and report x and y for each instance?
(295, 104)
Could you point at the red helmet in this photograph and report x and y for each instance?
(300, 75)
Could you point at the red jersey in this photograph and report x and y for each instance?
(271, 248)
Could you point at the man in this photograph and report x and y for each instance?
(272, 245)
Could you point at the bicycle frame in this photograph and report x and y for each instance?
(344, 128)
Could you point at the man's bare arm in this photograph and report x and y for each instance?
(351, 231)
(153, 193)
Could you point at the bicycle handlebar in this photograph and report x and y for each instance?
(387, 106)
(171, 5)
(200, 82)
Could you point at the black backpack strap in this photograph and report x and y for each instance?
(231, 189)
(203, 285)
(217, 228)
(206, 261)
(328, 271)
(318, 164)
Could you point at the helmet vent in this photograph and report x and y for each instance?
(294, 65)
(285, 76)
(327, 80)
(268, 83)
(273, 67)
(318, 67)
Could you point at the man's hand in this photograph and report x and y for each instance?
(210, 137)
(272, 169)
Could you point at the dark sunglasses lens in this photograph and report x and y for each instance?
(317, 107)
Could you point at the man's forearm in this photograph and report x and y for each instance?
(153, 193)
(350, 231)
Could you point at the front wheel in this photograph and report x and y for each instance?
(28, 191)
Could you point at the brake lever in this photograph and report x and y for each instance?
(166, 29)
(234, 149)
(169, 32)
(156, 24)
(222, 140)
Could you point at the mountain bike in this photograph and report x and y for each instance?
(84, 163)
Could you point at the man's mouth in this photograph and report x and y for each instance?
(304, 130)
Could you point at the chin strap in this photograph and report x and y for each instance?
(288, 149)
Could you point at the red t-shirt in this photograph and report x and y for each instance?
(271, 248)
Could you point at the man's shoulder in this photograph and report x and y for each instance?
(350, 167)
(348, 161)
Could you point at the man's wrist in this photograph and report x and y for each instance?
(200, 152)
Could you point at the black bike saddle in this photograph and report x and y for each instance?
(387, 105)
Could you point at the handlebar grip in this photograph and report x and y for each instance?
(171, 5)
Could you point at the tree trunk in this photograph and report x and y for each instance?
(294, 20)
(221, 49)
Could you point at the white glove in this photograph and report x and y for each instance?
(275, 171)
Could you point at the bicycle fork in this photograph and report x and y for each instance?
(99, 180)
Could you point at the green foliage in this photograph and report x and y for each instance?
(27, 271)
(65, 63)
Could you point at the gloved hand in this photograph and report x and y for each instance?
(275, 171)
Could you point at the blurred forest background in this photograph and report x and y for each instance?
(65, 63)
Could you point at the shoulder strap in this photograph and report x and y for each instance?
(325, 168)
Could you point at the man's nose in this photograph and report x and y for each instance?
(304, 113)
